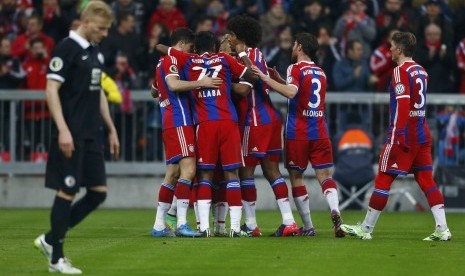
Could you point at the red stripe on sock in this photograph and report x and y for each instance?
(249, 194)
(299, 191)
(182, 191)
(327, 184)
(204, 192)
(234, 197)
(165, 195)
(280, 190)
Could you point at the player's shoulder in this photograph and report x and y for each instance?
(67, 46)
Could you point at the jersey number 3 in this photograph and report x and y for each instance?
(421, 92)
(316, 92)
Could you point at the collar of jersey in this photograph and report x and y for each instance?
(306, 61)
(79, 39)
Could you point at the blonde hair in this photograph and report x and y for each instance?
(97, 8)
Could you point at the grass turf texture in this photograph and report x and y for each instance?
(118, 242)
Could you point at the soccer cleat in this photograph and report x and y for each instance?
(63, 266)
(44, 247)
(445, 235)
(206, 233)
(306, 232)
(186, 231)
(250, 232)
(234, 234)
(356, 230)
(220, 232)
(337, 222)
(286, 230)
(165, 233)
(171, 222)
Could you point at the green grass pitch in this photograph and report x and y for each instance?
(118, 242)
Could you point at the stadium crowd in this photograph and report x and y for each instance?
(353, 37)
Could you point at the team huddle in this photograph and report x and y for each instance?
(219, 123)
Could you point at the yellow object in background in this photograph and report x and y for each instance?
(111, 89)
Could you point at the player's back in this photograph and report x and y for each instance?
(414, 79)
(306, 116)
(211, 104)
(174, 107)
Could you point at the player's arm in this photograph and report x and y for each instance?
(274, 74)
(402, 90)
(248, 74)
(163, 49)
(154, 91)
(288, 91)
(65, 139)
(112, 134)
(242, 88)
(177, 85)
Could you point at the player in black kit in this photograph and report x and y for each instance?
(77, 104)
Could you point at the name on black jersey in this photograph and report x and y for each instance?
(209, 93)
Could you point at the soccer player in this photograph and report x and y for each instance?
(218, 137)
(306, 130)
(260, 125)
(77, 102)
(408, 145)
(178, 136)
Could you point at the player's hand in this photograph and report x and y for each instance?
(113, 142)
(66, 143)
(400, 139)
(274, 74)
(240, 47)
(154, 92)
(207, 82)
(258, 72)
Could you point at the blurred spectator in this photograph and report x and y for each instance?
(272, 21)
(254, 8)
(451, 131)
(328, 54)
(159, 35)
(123, 39)
(437, 57)
(135, 8)
(459, 22)
(351, 74)
(356, 24)
(381, 63)
(169, 15)
(11, 72)
(280, 56)
(391, 17)
(434, 14)
(204, 23)
(36, 114)
(460, 55)
(220, 15)
(20, 46)
(55, 22)
(9, 19)
(314, 16)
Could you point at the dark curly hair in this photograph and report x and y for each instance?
(246, 29)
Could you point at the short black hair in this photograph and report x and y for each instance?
(406, 41)
(309, 44)
(247, 29)
(350, 45)
(205, 42)
(182, 34)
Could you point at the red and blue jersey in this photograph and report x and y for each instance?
(306, 111)
(210, 104)
(256, 108)
(174, 107)
(408, 104)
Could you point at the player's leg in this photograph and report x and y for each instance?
(165, 199)
(220, 202)
(422, 167)
(204, 199)
(234, 199)
(249, 196)
(301, 199)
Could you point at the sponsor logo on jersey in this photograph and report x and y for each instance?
(255, 149)
(291, 163)
(200, 160)
(395, 166)
(173, 69)
(400, 89)
(70, 181)
(56, 64)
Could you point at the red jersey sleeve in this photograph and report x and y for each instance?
(181, 57)
(170, 66)
(237, 69)
(402, 90)
(293, 76)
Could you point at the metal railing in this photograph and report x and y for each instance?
(24, 141)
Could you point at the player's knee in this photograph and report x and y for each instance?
(383, 181)
(425, 180)
(96, 198)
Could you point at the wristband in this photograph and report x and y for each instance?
(242, 54)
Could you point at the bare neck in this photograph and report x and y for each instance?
(403, 59)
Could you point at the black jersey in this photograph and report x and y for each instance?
(77, 64)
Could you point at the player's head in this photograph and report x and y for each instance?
(205, 42)
(245, 29)
(96, 19)
(183, 39)
(403, 44)
(305, 44)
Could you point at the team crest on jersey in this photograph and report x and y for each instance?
(70, 181)
(56, 64)
(289, 79)
(400, 88)
(173, 69)
(191, 148)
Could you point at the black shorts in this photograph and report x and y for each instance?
(85, 168)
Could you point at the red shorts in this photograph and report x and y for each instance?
(261, 141)
(395, 161)
(299, 152)
(179, 143)
(218, 141)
